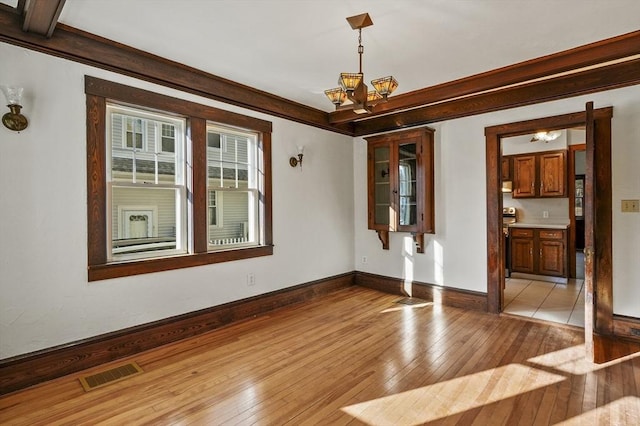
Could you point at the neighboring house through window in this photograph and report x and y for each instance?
(158, 177)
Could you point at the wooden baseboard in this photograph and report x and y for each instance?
(446, 295)
(29, 369)
(626, 327)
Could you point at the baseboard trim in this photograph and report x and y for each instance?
(29, 369)
(448, 296)
(626, 327)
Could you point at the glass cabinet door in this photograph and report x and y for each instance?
(382, 185)
(407, 190)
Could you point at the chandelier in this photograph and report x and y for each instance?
(352, 86)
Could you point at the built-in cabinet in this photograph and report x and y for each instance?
(542, 174)
(400, 184)
(539, 251)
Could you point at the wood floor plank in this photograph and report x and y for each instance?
(354, 357)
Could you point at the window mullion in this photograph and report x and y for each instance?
(198, 133)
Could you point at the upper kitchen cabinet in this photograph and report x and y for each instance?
(400, 184)
(506, 168)
(542, 174)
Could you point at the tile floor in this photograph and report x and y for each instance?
(563, 303)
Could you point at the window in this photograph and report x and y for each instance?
(168, 137)
(158, 173)
(233, 173)
(156, 225)
(215, 209)
(133, 133)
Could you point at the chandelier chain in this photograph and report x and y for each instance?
(360, 47)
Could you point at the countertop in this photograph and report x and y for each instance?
(539, 225)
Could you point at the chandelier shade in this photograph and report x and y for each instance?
(337, 96)
(349, 81)
(373, 96)
(385, 85)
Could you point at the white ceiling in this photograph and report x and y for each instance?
(297, 48)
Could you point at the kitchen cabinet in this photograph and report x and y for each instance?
(506, 168)
(400, 184)
(539, 251)
(542, 174)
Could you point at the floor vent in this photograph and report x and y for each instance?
(411, 301)
(110, 376)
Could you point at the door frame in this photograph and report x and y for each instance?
(571, 167)
(603, 302)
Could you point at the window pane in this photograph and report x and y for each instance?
(168, 138)
(144, 220)
(145, 166)
(236, 220)
(213, 140)
(407, 184)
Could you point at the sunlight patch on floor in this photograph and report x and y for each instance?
(405, 307)
(623, 411)
(451, 397)
(573, 361)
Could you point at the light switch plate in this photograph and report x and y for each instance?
(630, 206)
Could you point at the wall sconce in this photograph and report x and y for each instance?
(293, 161)
(13, 120)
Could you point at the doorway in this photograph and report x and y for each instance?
(541, 286)
(600, 297)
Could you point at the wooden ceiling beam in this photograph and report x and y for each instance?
(587, 55)
(41, 16)
(580, 83)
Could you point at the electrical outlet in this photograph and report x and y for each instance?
(251, 279)
(631, 206)
(364, 260)
(545, 214)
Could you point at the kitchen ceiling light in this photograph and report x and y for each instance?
(352, 86)
(545, 136)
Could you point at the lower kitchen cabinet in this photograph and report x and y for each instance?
(539, 251)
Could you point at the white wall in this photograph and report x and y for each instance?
(456, 255)
(45, 298)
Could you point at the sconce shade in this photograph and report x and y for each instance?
(385, 85)
(13, 120)
(13, 95)
(349, 81)
(337, 96)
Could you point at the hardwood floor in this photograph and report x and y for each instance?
(355, 357)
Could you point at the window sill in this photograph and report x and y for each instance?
(147, 266)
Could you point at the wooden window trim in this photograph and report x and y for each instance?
(98, 92)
